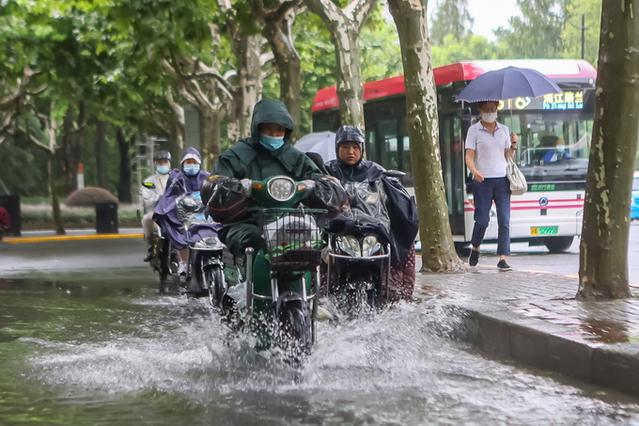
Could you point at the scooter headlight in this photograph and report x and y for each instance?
(281, 188)
(370, 246)
(349, 245)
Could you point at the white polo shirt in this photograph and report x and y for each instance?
(489, 149)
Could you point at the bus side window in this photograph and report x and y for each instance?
(405, 154)
(388, 133)
(370, 151)
(406, 166)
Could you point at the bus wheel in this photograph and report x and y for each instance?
(462, 249)
(558, 244)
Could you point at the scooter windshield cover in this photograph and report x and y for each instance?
(368, 203)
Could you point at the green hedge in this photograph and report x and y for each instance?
(38, 217)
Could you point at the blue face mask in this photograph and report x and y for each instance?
(163, 169)
(272, 143)
(191, 169)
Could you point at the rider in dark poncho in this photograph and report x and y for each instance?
(392, 211)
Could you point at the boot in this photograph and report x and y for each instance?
(149, 254)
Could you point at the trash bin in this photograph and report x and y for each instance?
(12, 204)
(106, 218)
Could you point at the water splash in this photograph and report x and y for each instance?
(398, 366)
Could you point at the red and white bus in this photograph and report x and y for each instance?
(551, 211)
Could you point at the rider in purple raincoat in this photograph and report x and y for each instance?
(187, 179)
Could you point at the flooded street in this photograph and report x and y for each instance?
(108, 350)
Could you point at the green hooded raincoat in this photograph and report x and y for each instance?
(248, 159)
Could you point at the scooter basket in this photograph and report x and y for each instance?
(292, 237)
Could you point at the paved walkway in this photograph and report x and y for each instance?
(533, 317)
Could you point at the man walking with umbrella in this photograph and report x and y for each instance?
(488, 145)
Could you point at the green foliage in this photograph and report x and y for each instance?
(22, 170)
(571, 34)
(40, 217)
(108, 56)
(379, 44)
(379, 48)
(451, 19)
(318, 61)
(467, 48)
(535, 34)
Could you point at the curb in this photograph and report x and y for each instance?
(56, 238)
(502, 334)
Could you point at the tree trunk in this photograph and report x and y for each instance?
(279, 36)
(438, 249)
(69, 154)
(100, 153)
(55, 203)
(124, 182)
(176, 142)
(210, 136)
(603, 254)
(177, 126)
(250, 80)
(344, 26)
(349, 79)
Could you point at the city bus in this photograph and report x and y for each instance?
(551, 212)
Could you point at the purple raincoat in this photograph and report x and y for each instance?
(165, 213)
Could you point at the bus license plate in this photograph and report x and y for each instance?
(544, 230)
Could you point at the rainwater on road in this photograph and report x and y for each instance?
(104, 348)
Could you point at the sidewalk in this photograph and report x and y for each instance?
(40, 236)
(533, 318)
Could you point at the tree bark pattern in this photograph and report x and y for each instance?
(277, 30)
(100, 152)
(210, 122)
(603, 257)
(438, 249)
(53, 192)
(345, 26)
(124, 181)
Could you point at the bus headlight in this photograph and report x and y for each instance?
(281, 188)
(349, 245)
(370, 246)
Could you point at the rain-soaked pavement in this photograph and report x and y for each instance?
(104, 348)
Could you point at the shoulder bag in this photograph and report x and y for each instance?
(518, 184)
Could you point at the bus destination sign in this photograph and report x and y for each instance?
(564, 101)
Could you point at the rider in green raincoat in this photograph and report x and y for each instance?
(264, 154)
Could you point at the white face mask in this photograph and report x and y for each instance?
(488, 117)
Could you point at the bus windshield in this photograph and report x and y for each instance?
(553, 146)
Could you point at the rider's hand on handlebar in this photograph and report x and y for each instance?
(246, 184)
(309, 184)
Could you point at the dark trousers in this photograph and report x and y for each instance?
(484, 193)
(239, 236)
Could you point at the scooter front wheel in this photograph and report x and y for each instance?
(216, 285)
(296, 331)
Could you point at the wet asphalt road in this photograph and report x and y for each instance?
(86, 339)
(128, 253)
